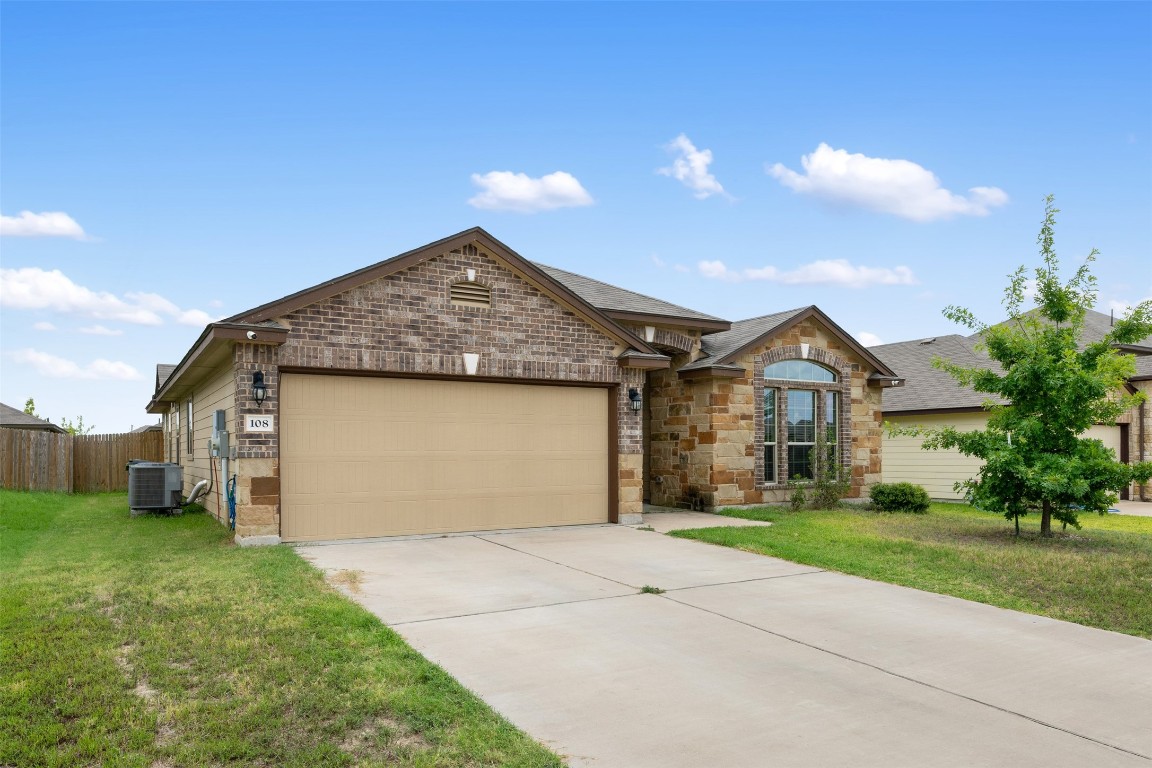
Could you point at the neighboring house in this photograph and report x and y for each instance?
(147, 428)
(461, 387)
(932, 398)
(14, 418)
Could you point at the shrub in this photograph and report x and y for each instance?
(900, 497)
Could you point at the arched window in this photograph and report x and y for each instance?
(801, 419)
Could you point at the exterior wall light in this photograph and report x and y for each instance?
(634, 399)
(259, 388)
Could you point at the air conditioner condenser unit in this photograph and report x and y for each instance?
(154, 485)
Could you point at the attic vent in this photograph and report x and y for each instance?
(470, 250)
(468, 294)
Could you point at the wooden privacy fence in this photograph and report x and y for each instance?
(36, 460)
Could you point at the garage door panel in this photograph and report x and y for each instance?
(367, 457)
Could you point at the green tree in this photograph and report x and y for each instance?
(1053, 388)
(30, 407)
(75, 427)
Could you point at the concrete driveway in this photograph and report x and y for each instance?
(748, 660)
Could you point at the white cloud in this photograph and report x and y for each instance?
(868, 339)
(100, 330)
(508, 191)
(47, 224)
(55, 367)
(35, 288)
(658, 261)
(690, 168)
(899, 187)
(717, 271)
(1121, 308)
(824, 272)
(43, 325)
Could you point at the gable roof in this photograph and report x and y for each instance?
(557, 290)
(724, 348)
(163, 371)
(17, 419)
(623, 304)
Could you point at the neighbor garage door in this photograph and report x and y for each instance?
(364, 457)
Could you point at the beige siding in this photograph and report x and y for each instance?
(218, 392)
(937, 471)
(365, 457)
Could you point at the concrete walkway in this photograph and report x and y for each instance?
(1140, 508)
(748, 660)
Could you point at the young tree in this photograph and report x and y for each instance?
(30, 407)
(75, 427)
(1053, 389)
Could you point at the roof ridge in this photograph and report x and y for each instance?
(770, 314)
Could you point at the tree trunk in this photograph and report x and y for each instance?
(1046, 519)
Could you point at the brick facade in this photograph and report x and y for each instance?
(406, 323)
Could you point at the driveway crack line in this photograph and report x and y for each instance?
(509, 610)
(634, 586)
(911, 679)
(562, 565)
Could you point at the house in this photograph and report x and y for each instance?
(460, 386)
(932, 398)
(14, 418)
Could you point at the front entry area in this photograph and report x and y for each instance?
(363, 457)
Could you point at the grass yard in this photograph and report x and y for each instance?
(155, 642)
(1100, 576)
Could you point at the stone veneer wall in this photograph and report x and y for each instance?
(406, 323)
(707, 434)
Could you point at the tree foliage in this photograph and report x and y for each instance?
(71, 427)
(75, 427)
(1053, 388)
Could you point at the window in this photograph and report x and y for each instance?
(770, 435)
(809, 405)
(175, 434)
(801, 433)
(799, 370)
(188, 429)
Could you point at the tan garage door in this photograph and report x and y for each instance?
(363, 457)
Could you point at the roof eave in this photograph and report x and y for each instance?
(886, 382)
(632, 359)
(205, 354)
(695, 323)
(933, 411)
(713, 372)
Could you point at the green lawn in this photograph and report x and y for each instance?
(1100, 576)
(153, 641)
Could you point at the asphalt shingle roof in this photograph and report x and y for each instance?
(924, 386)
(717, 346)
(929, 388)
(611, 298)
(163, 371)
(14, 417)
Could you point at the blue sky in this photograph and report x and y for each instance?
(165, 164)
